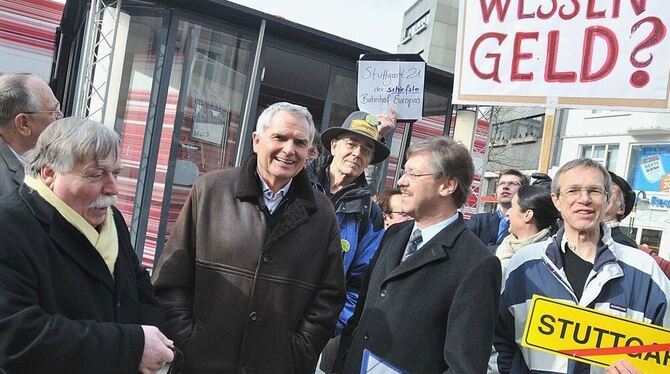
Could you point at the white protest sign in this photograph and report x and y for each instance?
(564, 53)
(395, 84)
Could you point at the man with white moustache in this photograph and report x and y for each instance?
(73, 298)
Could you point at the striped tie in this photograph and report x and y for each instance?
(413, 244)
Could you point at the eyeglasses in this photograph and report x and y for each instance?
(412, 176)
(509, 184)
(57, 112)
(572, 193)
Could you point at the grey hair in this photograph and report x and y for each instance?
(582, 163)
(295, 110)
(16, 97)
(69, 142)
(448, 159)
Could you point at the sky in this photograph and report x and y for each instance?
(375, 23)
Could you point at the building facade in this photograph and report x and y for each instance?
(184, 82)
(430, 29)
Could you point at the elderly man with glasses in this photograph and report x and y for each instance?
(492, 227)
(580, 265)
(340, 176)
(27, 107)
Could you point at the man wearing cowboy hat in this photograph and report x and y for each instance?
(340, 176)
(620, 205)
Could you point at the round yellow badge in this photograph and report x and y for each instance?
(345, 245)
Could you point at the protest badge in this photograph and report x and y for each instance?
(372, 364)
(595, 337)
(391, 81)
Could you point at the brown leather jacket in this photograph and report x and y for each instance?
(240, 299)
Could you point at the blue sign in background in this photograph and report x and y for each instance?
(650, 166)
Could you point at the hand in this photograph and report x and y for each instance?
(156, 352)
(622, 367)
(386, 122)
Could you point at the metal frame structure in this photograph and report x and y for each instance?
(99, 40)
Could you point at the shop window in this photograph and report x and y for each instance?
(202, 116)
(605, 154)
(649, 167)
(651, 238)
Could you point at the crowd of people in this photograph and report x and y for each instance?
(288, 263)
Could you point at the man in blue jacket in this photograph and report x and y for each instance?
(340, 176)
(492, 227)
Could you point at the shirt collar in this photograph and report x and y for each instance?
(18, 156)
(430, 231)
(267, 192)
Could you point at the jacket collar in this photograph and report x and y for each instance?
(354, 195)
(436, 249)
(604, 254)
(248, 185)
(66, 237)
(12, 162)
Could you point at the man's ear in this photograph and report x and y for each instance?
(48, 175)
(22, 125)
(448, 187)
(554, 198)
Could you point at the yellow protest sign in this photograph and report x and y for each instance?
(595, 337)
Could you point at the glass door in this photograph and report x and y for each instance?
(210, 73)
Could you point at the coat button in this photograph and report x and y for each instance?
(366, 337)
(253, 316)
(267, 258)
(383, 293)
(118, 305)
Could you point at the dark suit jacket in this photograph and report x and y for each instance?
(435, 312)
(485, 226)
(11, 170)
(60, 309)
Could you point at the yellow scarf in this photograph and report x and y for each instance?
(106, 242)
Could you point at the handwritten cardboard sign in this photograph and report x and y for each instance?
(395, 84)
(564, 53)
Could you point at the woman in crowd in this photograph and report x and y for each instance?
(533, 218)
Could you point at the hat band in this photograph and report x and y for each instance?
(362, 126)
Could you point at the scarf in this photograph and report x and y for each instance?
(106, 242)
(511, 244)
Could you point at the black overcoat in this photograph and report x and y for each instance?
(60, 309)
(435, 312)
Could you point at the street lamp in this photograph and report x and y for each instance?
(642, 203)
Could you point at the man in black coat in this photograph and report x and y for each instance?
(433, 290)
(27, 107)
(620, 205)
(73, 298)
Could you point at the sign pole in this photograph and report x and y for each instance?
(547, 139)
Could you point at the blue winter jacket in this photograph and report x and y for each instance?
(360, 240)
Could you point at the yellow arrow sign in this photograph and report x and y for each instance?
(594, 337)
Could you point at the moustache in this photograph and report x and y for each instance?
(103, 202)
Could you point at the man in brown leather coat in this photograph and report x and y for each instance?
(251, 278)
